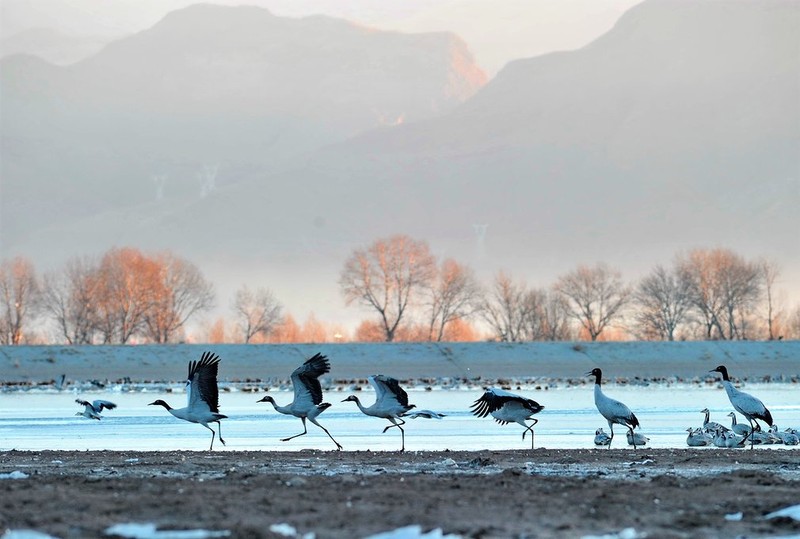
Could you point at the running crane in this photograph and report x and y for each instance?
(613, 410)
(307, 403)
(391, 402)
(201, 387)
(506, 407)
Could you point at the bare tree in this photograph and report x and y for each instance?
(663, 302)
(256, 313)
(595, 296)
(505, 308)
(549, 314)
(69, 298)
(724, 289)
(127, 288)
(19, 291)
(454, 294)
(179, 292)
(770, 272)
(388, 276)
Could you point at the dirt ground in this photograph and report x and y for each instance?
(536, 493)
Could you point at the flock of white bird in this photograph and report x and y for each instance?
(391, 403)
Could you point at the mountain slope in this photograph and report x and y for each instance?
(203, 98)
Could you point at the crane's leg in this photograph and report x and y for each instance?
(611, 439)
(750, 434)
(402, 438)
(633, 437)
(219, 426)
(305, 431)
(529, 428)
(394, 423)
(338, 446)
(212, 435)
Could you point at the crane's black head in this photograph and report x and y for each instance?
(351, 398)
(597, 373)
(268, 398)
(159, 402)
(722, 370)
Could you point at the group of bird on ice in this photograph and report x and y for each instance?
(391, 403)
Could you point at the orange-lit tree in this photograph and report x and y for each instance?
(256, 313)
(388, 276)
(19, 292)
(454, 295)
(68, 297)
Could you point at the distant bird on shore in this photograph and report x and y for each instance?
(307, 403)
(506, 407)
(203, 394)
(601, 438)
(613, 410)
(711, 426)
(744, 403)
(391, 402)
(91, 410)
(739, 428)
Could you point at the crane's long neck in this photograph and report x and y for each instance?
(733, 421)
(281, 409)
(708, 414)
(361, 406)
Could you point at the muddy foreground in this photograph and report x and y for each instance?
(538, 493)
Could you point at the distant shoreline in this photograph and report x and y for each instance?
(562, 363)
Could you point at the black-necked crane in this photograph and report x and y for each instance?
(506, 407)
(307, 403)
(698, 438)
(91, 410)
(744, 403)
(391, 402)
(613, 410)
(203, 395)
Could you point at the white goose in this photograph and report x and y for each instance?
(203, 393)
(613, 410)
(91, 410)
(307, 403)
(698, 438)
(601, 438)
(711, 426)
(506, 407)
(391, 402)
(747, 405)
(739, 428)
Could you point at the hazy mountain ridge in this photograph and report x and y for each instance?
(208, 95)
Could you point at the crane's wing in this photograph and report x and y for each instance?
(83, 403)
(203, 382)
(387, 388)
(305, 379)
(493, 399)
(98, 405)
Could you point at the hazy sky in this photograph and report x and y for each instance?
(496, 31)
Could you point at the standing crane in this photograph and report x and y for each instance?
(744, 403)
(613, 410)
(201, 387)
(506, 407)
(91, 410)
(307, 403)
(391, 402)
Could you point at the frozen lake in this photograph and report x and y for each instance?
(45, 420)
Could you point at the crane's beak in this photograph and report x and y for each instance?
(588, 373)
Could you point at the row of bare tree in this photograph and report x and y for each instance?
(128, 296)
(711, 294)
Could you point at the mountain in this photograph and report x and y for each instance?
(51, 45)
(678, 128)
(205, 97)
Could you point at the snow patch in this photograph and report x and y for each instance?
(135, 530)
(413, 532)
(25, 534)
(16, 474)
